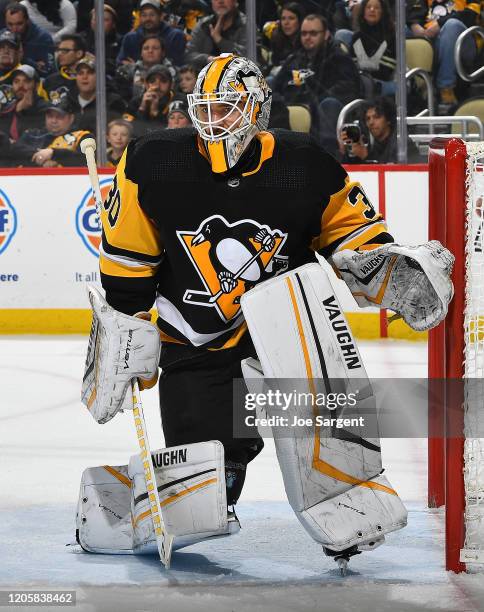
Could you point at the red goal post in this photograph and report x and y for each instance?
(456, 351)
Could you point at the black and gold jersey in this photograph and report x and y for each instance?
(7, 96)
(60, 84)
(198, 240)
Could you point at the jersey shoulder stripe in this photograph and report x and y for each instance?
(128, 255)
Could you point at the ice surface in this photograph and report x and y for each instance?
(47, 438)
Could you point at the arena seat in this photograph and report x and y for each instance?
(419, 53)
(299, 119)
(473, 107)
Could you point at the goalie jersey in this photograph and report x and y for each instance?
(174, 231)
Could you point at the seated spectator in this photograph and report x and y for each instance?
(112, 40)
(55, 145)
(380, 119)
(118, 135)
(442, 25)
(373, 45)
(69, 51)
(321, 76)
(37, 44)
(58, 17)
(186, 14)
(130, 77)
(151, 22)
(285, 37)
(222, 32)
(25, 110)
(187, 77)
(83, 98)
(10, 57)
(151, 108)
(178, 116)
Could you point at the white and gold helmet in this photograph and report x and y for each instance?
(230, 103)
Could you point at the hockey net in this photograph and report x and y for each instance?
(456, 350)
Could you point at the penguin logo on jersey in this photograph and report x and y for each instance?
(8, 221)
(230, 258)
(299, 77)
(87, 220)
(57, 95)
(6, 95)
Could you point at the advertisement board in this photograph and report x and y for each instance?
(50, 236)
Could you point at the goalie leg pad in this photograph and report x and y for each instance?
(360, 516)
(113, 515)
(103, 518)
(333, 485)
(191, 485)
(121, 348)
(298, 328)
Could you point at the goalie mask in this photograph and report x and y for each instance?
(230, 104)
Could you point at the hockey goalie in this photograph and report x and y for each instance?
(220, 226)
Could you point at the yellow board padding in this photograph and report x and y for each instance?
(364, 325)
(45, 321)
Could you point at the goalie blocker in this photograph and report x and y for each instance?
(335, 486)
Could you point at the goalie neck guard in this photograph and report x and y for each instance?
(230, 104)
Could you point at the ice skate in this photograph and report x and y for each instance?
(342, 557)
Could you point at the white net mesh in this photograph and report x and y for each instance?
(474, 360)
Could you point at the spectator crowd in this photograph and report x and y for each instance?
(320, 54)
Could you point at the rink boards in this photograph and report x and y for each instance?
(49, 239)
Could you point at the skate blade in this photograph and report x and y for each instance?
(343, 566)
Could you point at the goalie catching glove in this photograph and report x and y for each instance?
(121, 348)
(413, 281)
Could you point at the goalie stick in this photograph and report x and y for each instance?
(88, 148)
(164, 541)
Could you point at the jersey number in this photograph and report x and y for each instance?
(113, 203)
(357, 195)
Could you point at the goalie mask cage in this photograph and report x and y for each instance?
(456, 350)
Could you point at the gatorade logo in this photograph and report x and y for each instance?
(87, 222)
(8, 221)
